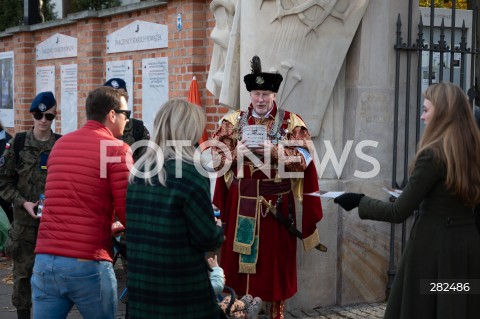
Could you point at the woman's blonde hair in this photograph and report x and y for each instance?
(453, 136)
(177, 127)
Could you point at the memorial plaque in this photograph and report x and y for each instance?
(45, 81)
(56, 47)
(6, 89)
(124, 70)
(138, 35)
(154, 88)
(68, 105)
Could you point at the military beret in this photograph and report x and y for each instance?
(42, 102)
(259, 80)
(116, 83)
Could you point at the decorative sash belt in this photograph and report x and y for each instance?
(249, 207)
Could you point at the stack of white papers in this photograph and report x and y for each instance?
(333, 194)
(394, 192)
(325, 194)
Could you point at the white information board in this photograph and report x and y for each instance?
(154, 88)
(45, 81)
(6, 89)
(124, 70)
(68, 93)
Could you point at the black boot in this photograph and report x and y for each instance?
(23, 313)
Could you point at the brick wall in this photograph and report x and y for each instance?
(189, 54)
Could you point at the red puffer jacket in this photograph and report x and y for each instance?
(86, 186)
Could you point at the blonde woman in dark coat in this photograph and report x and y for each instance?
(439, 272)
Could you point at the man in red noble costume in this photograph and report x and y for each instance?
(259, 255)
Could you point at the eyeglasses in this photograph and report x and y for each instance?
(127, 113)
(40, 115)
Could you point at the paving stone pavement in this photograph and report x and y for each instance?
(362, 311)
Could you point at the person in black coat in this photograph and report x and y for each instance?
(476, 111)
(438, 273)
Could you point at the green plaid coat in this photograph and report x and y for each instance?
(169, 229)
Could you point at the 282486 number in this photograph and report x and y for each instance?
(450, 286)
(447, 287)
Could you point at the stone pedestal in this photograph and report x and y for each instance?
(360, 110)
(349, 108)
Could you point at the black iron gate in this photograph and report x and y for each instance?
(409, 60)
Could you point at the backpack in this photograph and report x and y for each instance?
(19, 143)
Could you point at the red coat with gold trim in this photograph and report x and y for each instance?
(275, 276)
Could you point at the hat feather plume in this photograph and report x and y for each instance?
(256, 65)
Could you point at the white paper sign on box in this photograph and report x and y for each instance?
(255, 135)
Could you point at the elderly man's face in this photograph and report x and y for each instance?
(262, 101)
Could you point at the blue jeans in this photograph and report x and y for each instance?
(60, 282)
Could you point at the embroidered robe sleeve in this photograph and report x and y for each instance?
(296, 161)
(224, 134)
(299, 164)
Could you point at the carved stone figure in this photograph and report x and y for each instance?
(223, 11)
(304, 40)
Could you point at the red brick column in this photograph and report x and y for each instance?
(91, 53)
(24, 76)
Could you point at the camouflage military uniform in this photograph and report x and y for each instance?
(129, 138)
(18, 184)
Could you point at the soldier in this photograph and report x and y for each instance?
(134, 130)
(23, 171)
